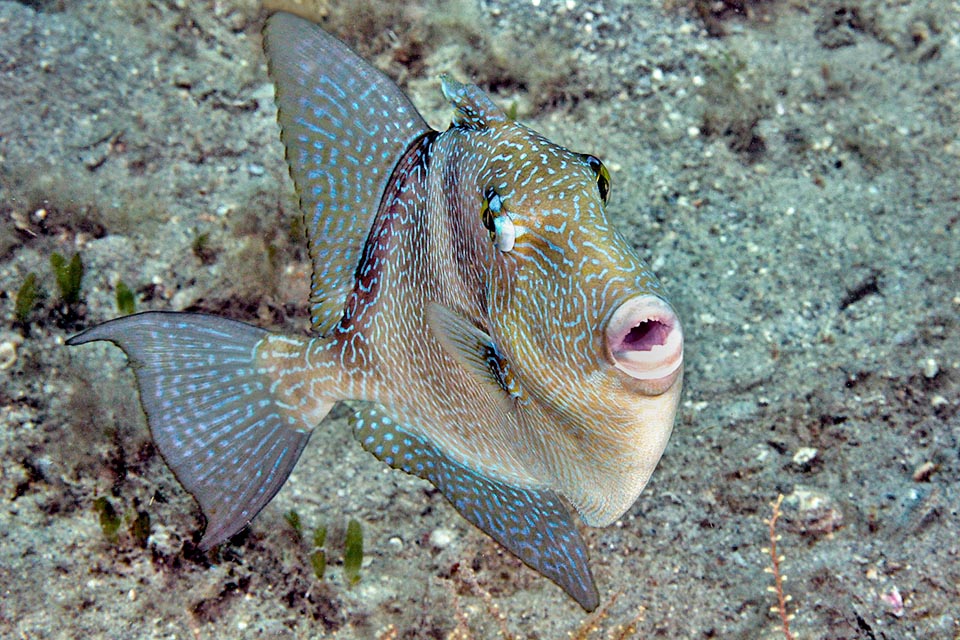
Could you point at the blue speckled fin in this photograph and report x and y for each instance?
(533, 524)
(211, 414)
(473, 108)
(345, 126)
(476, 351)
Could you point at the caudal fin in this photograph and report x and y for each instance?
(230, 443)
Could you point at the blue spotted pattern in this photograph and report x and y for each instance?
(531, 523)
(344, 124)
(228, 441)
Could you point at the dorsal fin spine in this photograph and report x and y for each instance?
(473, 108)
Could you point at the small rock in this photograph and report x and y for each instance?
(441, 538)
(894, 601)
(924, 471)
(8, 349)
(816, 514)
(8, 355)
(930, 368)
(804, 455)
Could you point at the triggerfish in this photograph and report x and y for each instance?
(502, 340)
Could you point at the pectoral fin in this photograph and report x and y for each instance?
(476, 351)
(531, 523)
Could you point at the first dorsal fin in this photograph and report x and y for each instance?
(473, 108)
(345, 125)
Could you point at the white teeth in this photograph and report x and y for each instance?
(645, 339)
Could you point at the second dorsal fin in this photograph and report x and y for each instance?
(345, 125)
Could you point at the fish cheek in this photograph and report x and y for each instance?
(652, 414)
(523, 318)
(501, 297)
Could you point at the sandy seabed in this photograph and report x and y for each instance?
(791, 174)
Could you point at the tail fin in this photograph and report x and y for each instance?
(228, 440)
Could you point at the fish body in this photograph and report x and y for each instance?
(506, 342)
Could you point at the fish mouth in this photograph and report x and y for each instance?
(645, 341)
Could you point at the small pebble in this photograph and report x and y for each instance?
(924, 471)
(255, 169)
(894, 600)
(817, 514)
(441, 538)
(804, 455)
(8, 354)
(930, 368)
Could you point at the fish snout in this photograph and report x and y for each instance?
(645, 341)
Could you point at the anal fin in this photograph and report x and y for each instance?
(532, 524)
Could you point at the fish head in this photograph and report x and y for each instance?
(594, 347)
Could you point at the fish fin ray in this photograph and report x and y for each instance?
(473, 109)
(210, 412)
(476, 351)
(345, 126)
(532, 524)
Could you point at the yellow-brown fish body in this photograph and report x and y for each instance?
(509, 344)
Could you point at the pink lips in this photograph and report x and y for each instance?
(645, 339)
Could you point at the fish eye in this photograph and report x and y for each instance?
(489, 209)
(498, 224)
(603, 177)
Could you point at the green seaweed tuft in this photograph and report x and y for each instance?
(109, 520)
(126, 303)
(353, 552)
(318, 557)
(27, 296)
(735, 100)
(69, 276)
(318, 560)
(297, 230)
(202, 248)
(320, 536)
(140, 529)
(293, 519)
